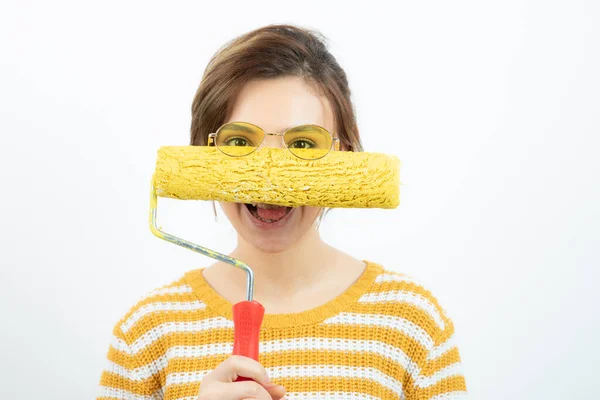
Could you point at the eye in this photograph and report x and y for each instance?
(301, 144)
(236, 141)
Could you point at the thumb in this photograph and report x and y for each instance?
(276, 391)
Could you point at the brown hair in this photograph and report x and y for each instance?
(270, 52)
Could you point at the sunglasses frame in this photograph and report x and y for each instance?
(212, 139)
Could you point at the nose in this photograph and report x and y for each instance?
(273, 141)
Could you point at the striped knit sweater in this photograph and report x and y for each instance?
(385, 337)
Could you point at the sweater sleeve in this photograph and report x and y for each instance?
(128, 373)
(441, 376)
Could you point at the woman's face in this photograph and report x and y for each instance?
(275, 105)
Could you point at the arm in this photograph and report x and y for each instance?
(129, 373)
(440, 377)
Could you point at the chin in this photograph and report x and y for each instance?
(270, 246)
(275, 236)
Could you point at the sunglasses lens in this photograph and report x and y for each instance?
(239, 138)
(309, 142)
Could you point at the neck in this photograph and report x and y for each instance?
(287, 272)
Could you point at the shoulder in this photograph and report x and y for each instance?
(412, 301)
(145, 312)
(425, 335)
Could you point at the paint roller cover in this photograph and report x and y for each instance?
(275, 176)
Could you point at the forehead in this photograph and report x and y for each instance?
(280, 103)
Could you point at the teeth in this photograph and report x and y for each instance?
(264, 205)
(267, 206)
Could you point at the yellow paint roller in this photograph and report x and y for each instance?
(274, 176)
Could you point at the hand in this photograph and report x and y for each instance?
(220, 383)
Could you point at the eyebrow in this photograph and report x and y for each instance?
(244, 128)
(240, 127)
(285, 129)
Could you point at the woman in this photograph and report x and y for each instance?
(335, 327)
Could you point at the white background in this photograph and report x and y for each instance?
(492, 108)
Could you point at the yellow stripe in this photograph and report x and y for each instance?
(225, 335)
(142, 388)
(182, 390)
(450, 384)
(297, 357)
(409, 312)
(309, 384)
(428, 369)
(141, 359)
(170, 297)
(446, 359)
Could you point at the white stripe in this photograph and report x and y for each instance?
(344, 372)
(120, 394)
(182, 378)
(405, 278)
(205, 350)
(141, 373)
(441, 349)
(169, 290)
(316, 396)
(395, 278)
(450, 396)
(167, 328)
(160, 306)
(305, 343)
(304, 371)
(329, 396)
(385, 350)
(120, 345)
(449, 371)
(344, 345)
(388, 321)
(136, 374)
(117, 369)
(405, 297)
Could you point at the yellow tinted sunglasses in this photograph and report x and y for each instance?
(238, 139)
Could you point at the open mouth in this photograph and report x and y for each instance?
(268, 213)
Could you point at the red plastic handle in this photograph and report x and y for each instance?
(247, 319)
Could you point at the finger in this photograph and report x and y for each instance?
(276, 391)
(242, 390)
(235, 366)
